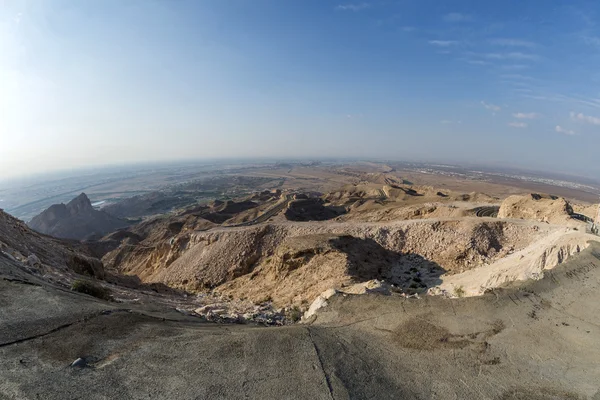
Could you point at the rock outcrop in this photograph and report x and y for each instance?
(76, 220)
(537, 207)
(41, 254)
(293, 263)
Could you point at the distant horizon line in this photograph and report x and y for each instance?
(66, 173)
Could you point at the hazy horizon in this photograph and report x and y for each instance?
(92, 84)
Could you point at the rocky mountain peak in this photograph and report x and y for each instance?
(80, 205)
(76, 220)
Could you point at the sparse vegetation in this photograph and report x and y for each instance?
(266, 299)
(294, 314)
(92, 289)
(459, 291)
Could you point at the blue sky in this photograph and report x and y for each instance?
(507, 83)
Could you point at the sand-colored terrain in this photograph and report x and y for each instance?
(379, 281)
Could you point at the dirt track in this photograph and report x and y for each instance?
(539, 341)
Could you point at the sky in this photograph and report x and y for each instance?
(508, 83)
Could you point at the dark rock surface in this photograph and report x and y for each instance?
(311, 209)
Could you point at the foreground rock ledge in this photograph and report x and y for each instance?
(538, 341)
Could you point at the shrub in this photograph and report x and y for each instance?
(459, 291)
(294, 314)
(90, 288)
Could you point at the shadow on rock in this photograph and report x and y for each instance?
(134, 282)
(312, 209)
(368, 260)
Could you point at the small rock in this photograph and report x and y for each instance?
(33, 260)
(10, 256)
(202, 310)
(80, 362)
(248, 316)
(320, 302)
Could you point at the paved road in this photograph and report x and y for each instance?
(582, 217)
(536, 342)
(488, 211)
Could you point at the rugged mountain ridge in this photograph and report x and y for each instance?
(76, 220)
(43, 255)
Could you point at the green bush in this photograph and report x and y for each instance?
(88, 287)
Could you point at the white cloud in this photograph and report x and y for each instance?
(560, 129)
(352, 7)
(526, 115)
(517, 124)
(512, 42)
(443, 43)
(491, 107)
(585, 118)
(511, 56)
(448, 122)
(457, 17)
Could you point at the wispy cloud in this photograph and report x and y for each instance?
(491, 107)
(567, 99)
(449, 122)
(516, 76)
(443, 43)
(585, 118)
(351, 116)
(478, 62)
(408, 28)
(352, 7)
(511, 56)
(512, 43)
(560, 129)
(515, 66)
(591, 40)
(516, 124)
(526, 115)
(457, 17)
(515, 83)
